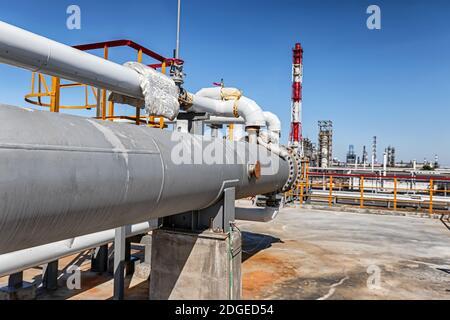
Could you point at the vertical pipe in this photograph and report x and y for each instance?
(214, 131)
(177, 50)
(99, 103)
(252, 136)
(361, 186)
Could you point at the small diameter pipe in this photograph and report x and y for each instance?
(210, 100)
(24, 259)
(257, 214)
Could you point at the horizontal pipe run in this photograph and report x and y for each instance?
(210, 100)
(27, 50)
(64, 176)
(17, 261)
(225, 120)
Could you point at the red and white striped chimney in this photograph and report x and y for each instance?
(297, 78)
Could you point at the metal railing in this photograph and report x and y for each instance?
(419, 193)
(44, 95)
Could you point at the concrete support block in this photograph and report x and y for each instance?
(17, 289)
(143, 269)
(195, 266)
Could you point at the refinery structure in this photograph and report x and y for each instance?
(165, 193)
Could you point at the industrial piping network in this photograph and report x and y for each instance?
(68, 177)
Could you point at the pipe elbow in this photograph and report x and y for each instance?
(273, 126)
(231, 98)
(251, 112)
(272, 121)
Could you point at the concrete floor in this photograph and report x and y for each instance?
(315, 254)
(312, 254)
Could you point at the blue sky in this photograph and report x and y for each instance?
(393, 82)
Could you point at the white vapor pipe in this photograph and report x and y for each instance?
(225, 120)
(273, 126)
(210, 100)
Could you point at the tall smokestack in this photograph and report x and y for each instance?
(297, 79)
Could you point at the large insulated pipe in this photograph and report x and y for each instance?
(17, 261)
(27, 50)
(63, 176)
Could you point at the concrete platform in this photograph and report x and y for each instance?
(312, 254)
(315, 254)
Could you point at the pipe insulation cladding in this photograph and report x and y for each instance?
(64, 176)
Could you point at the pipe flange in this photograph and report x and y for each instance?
(294, 171)
(292, 174)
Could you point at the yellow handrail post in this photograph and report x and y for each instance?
(231, 132)
(361, 186)
(105, 54)
(395, 193)
(330, 196)
(111, 111)
(55, 95)
(163, 68)
(431, 196)
(33, 77)
(301, 192)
